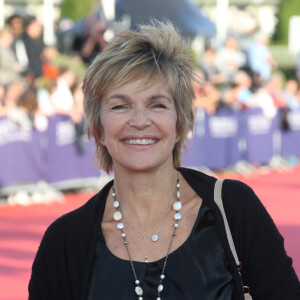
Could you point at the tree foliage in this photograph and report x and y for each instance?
(76, 9)
(286, 10)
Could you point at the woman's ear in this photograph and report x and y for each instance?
(102, 141)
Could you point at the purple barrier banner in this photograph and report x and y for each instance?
(257, 132)
(21, 154)
(215, 142)
(222, 139)
(219, 141)
(65, 160)
(290, 139)
(194, 155)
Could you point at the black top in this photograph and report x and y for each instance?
(198, 269)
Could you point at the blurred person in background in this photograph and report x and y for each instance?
(275, 88)
(292, 95)
(27, 45)
(16, 24)
(209, 68)
(44, 97)
(9, 66)
(28, 107)
(34, 47)
(242, 97)
(230, 59)
(93, 40)
(257, 82)
(260, 59)
(264, 100)
(50, 69)
(14, 90)
(239, 96)
(208, 97)
(62, 97)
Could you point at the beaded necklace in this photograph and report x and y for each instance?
(155, 236)
(118, 217)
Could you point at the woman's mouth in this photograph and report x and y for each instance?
(140, 141)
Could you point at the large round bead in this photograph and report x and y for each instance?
(177, 205)
(117, 215)
(120, 225)
(177, 216)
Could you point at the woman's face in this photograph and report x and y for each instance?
(139, 126)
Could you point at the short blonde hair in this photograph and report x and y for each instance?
(153, 53)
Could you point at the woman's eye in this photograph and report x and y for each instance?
(159, 105)
(119, 107)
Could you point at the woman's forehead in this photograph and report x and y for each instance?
(140, 84)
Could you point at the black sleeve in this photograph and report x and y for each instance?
(48, 278)
(267, 269)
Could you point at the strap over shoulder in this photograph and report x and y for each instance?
(219, 202)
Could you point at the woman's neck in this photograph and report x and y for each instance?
(144, 195)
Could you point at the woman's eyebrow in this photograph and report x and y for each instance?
(116, 96)
(159, 96)
(151, 98)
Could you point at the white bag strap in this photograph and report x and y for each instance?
(219, 202)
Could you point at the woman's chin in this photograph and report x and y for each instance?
(142, 165)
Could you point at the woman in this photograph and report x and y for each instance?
(154, 232)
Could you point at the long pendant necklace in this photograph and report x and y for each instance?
(118, 217)
(154, 237)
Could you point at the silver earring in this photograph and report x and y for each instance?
(177, 138)
(101, 140)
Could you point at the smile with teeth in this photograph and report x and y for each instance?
(140, 141)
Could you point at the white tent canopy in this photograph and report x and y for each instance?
(182, 13)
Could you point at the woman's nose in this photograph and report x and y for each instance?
(140, 119)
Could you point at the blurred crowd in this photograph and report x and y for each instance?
(244, 78)
(33, 87)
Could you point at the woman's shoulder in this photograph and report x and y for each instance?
(236, 195)
(201, 182)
